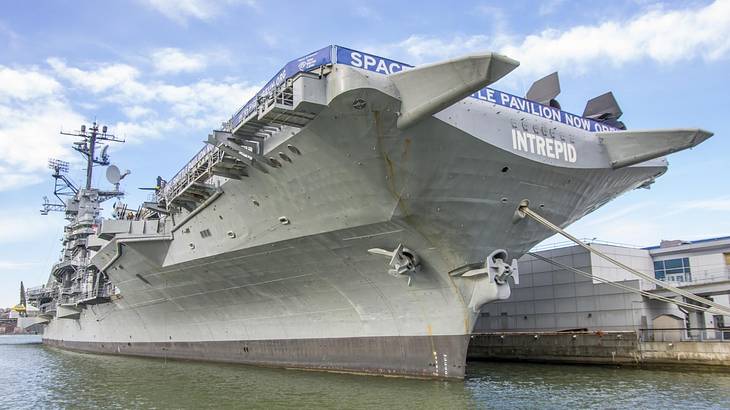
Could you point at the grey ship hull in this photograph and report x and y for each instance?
(307, 294)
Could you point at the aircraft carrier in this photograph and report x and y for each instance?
(353, 216)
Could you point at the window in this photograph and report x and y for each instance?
(673, 270)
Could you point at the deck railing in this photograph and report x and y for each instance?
(683, 334)
(199, 165)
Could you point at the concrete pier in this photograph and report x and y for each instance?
(610, 348)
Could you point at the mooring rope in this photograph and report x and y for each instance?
(621, 285)
(524, 210)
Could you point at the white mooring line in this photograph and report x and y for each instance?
(714, 307)
(622, 286)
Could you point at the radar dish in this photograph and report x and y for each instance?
(113, 175)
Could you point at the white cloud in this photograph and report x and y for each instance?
(645, 223)
(720, 204)
(12, 180)
(366, 12)
(29, 136)
(173, 60)
(182, 10)
(613, 216)
(137, 131)
(424, 48)
(98, 80)
(35, 105)
(703, 206)
(32, 112)
(664, 36)
(137, 111)
(25, 84)
(205, 103)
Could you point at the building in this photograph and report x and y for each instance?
(553, 298)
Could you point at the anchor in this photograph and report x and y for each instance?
(491, 279)
(403, 261)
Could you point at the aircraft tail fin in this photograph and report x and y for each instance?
(545, 90)
(605, 109)
(430, 88)
(632, 147)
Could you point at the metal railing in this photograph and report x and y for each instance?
(703, 277)
(209, 155)
(38, 292)
(685, 334)
(283, 94)
(48, 307)
(81, 297)
(199, 165)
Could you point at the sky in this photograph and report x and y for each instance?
(163, 73)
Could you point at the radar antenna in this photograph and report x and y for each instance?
(62, 186)
(87, 146)
(90, 140)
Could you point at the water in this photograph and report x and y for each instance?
(20, 339)
(34, 376)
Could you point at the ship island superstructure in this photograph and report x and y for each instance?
(353, 216)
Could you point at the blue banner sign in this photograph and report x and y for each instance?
(511, 101)
(370, 62)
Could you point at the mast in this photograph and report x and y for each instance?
(87, 147)
(75, 279)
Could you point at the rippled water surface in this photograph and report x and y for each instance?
(34, 376)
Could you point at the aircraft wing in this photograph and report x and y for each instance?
(632, 147)
(430, 88)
